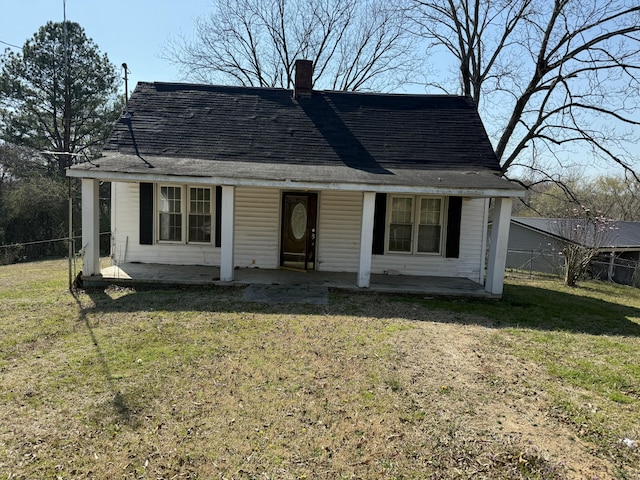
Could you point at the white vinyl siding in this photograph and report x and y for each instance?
(257, 236)
(257, 223)
(468, 263)
(339, 219)
(125, 227)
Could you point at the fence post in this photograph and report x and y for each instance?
(611, 270)
(531, 265)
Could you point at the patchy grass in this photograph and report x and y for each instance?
(195, 383)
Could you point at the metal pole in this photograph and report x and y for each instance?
(66, 130)
(126, 87)
(70, 236)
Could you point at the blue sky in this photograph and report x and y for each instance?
(128, 31)
(131, 31)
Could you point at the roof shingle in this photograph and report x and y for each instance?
(339, 136)
(365, 131)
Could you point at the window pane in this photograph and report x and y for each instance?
(164, 200)
(401, 226)
(170, 199)
(429, 238)
(401, 210)
(170, 226)
(200, 228)
(430, 211)
(170, 209)
(400, 238)
(200, 200)
(199, 215)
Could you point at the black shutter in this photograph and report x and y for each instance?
(146, 214)
(454, 215)
(218, 216)
(379, 221)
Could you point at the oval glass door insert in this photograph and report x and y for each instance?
(299, 221)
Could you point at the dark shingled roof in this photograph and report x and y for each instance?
(617, 235)
(205, 130)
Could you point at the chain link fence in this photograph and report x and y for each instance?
(535, 261)
(621, 270)
(53, 248)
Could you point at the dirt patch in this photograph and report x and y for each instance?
(450, 370)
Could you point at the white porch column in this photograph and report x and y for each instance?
(90, 228)
(499, 245)
(226, 250)
(366, 239)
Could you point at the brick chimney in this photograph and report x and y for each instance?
(303, 78)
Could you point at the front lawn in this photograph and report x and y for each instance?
(196, 383)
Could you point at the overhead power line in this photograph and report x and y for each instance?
(9, 44)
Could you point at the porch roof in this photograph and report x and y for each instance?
(128, 168)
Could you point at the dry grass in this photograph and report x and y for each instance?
(195, 383)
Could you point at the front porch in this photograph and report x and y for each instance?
(351, 235)
(161, 274)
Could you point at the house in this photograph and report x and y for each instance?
(536, 244)
(240, 177)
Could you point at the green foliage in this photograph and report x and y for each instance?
(615, 197)
(59, 93)
(18, 162)
(35, 209)
(33, 205)
(58, 97)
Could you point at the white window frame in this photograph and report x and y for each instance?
(159, 212)
(185, 198)
(416, 201)
(211, 214)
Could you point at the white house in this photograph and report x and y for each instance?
(265, 178)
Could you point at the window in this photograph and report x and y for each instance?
(415, 224)
(200, 215)
(429, 225)
(177, 214)
(170, 209)
(401, 227)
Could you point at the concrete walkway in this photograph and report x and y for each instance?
(161, 274)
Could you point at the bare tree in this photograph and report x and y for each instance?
(550, 74)
(354, 44)
(585, 233)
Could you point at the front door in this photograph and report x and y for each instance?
(298, 236)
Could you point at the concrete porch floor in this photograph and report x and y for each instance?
(162, 274)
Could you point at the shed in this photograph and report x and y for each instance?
(536, 243)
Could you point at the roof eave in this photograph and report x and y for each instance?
(293, 184)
